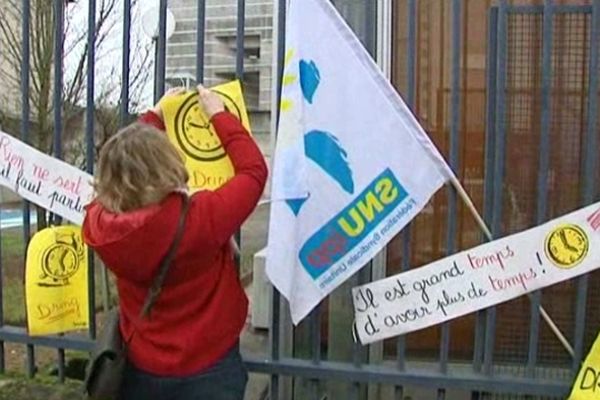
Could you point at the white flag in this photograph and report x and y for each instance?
(352, 166)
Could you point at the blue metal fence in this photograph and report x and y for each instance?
(484, 373)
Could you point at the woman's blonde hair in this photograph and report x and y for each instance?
(138, 167)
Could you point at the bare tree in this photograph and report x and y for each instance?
(75, 58)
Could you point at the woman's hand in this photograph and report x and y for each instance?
(210, 102)
(171, 92)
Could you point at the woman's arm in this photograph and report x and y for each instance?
(222, 212)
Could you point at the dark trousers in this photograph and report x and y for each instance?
(224, 381)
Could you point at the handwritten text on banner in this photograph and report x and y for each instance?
(46, 181)
(479, 278)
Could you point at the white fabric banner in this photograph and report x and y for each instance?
(478, 278)
(44, 180)
(352, 166)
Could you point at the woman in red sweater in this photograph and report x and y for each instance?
(188, 348)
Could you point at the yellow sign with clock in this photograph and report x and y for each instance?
(56, 281)
(567, 245)
(194, 136)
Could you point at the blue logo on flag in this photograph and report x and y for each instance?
(353, 224)
(310, 77)
(322, 147)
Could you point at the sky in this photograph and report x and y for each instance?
(108, 65)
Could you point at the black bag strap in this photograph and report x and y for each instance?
(163, 268)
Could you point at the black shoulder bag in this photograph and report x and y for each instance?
(106, 367)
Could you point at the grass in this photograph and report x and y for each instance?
(14, 302)
(12, 243)
(17, 387)
(12, 276)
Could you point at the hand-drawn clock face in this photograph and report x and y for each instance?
(60, 261)
(194, 132)
(567, 246)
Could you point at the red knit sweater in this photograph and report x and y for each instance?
(202, 308)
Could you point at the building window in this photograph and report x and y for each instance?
(251, 45)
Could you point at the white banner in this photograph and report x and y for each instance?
(478, 278)
(46, 181)
(352, 166)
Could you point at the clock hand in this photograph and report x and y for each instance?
(563, 239)
(61, 261)
(205, 126)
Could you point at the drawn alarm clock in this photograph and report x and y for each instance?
(61, 260)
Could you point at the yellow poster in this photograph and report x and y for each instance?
(193, 134)
(587, 384)
(56, 281)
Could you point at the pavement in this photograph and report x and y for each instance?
(254, 343)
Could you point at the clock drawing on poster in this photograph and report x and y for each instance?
(194, 132)
(61, 260)
(567, 245)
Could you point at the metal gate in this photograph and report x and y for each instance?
(543, 95)
(541, 128)
(541, 133)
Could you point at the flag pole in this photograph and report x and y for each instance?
(469, 203)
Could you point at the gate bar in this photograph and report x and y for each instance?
(406, 236)
(201, 20)
(125, 62)
(275, 330)
(239, 73)
(590, 167)
(59, 14)
(161, 50)
(240, 36)
(454, 163)
(25, 111)
(544, 165)
(423, 376)
(557, 9)
(490, 140)
(90, 153)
